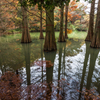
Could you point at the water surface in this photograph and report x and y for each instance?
(74, 61)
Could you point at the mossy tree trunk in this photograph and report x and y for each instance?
(61, 36)
(25, 30)
(95, 43)
(50, 42)
(66, 16)
(41, 33)
(91, 23)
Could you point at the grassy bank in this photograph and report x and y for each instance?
(35, 36)
(74, 34)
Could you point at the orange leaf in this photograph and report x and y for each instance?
(17, 39)
(17, 48)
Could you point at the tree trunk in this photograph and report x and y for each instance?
(25, 30)
(95, 43)
(61, 36)
(41, 33)
(50, 42)
(91, 22)
(66, 16)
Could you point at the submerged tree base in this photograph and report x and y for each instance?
(61, 39)
(88, 38)
(95, 43)
(26, 42)
(50, 50)
(41, 38)
(66, 37)
(95, 46)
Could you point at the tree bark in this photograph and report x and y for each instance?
(41, 33)
(66, 16)
(91, 23)
(50, 42)
(25, 30)
(61, 36)
(95, 43)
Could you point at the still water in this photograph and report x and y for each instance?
(74, 62)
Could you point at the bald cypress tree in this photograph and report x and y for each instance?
(25, 30)
(91, 23)
(95, 43)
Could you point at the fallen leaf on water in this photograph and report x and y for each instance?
(78, 91)
(67, 83)
(17, 48)
(63, 79)
(17, 39)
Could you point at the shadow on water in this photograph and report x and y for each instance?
(49, 72)
(93, 53)
(26, 49)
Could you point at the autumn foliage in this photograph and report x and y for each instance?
(10, 86)
(8, 12)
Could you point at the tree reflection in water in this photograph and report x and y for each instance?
(93, 57)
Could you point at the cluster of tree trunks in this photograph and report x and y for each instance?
(61, 36)
(95, 43)
(91, 22)
(50, 42)
(94, 34)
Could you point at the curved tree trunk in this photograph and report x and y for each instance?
(66, 16)
(91, 22)
(25, 30)
(95, 43)
(61, 36)
(50, 42)
(41, 33)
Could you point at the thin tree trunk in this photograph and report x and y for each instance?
(50, 42)
(41, 33)
(95, 43)
(91, 23)
(61, 36)
(25, 30)
(66, 16)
